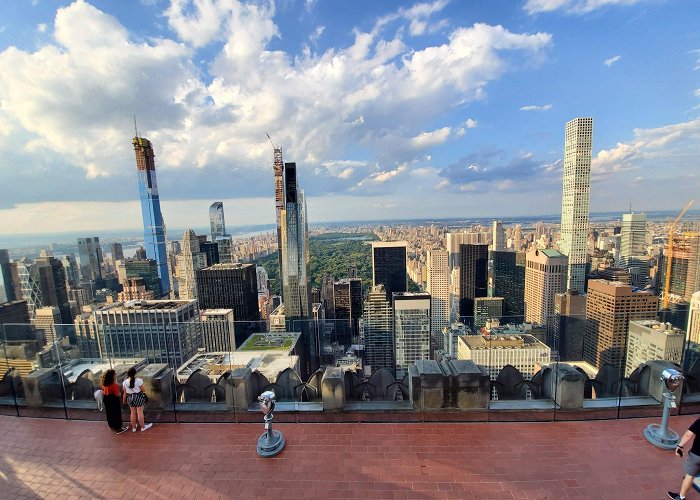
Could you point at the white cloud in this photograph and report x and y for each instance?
(41, 28)
(471, 123)
(545, 107)
(572, 6)
(71, 101)
(317, 33)
(664, 145)
(76, 97)
(417, 15)
(696, 52)
(612, 60)
(427, 139)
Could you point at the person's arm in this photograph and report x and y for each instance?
(123, 396)
(684, 440)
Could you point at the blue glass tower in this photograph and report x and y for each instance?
(153, 225)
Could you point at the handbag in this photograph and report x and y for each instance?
(145, 398)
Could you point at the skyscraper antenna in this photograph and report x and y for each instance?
(136, 129)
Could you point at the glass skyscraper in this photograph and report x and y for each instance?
(295, 248)
(153, 225)
(216, 220)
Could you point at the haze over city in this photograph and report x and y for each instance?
(431, 109)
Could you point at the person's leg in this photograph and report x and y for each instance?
(687, 484)
(139, 409)
(132, 409)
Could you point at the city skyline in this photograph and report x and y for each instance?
(434, 109)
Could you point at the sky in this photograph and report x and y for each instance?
(390, 109)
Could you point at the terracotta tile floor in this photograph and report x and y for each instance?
(42, 458)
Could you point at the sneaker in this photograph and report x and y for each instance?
(135, 428)
(146, 427)
(674, 496)
(123, 429)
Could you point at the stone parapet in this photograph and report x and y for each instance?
(333, 389)
(157, 384)
(458, 384)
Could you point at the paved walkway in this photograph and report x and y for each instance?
(42, 458)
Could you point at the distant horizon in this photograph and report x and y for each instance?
(254, 228)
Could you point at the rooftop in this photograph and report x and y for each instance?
(591, 459)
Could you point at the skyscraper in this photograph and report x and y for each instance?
(72, 270)
(278, 169)
(216, 220)
(633, 235)
(609, 308)
(473, 277)
(117, 252)
(7, 287)
(509, 282)
(545, 277)
(569, 325)
(389, 266)
(347, 300)
(439, 288)
(90, 254)
(499, 236)
(486, 308)
(295, 248)
(379, 330)
(411, 329)
(575, 200)
(153, 225)
(189, 260)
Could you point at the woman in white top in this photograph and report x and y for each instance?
(134, 396)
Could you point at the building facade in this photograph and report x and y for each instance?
(575, 200)
(153, 224)
(189, 260)
(411, 329)
(90, 255)
(438, 286)
(218, 330)
(216, 220)
(378, 321)
(545, 276)
(473, 278)
(161, 331)
(389, 266)
(653, 340)
(494, 352)
(509, 282)
(295, 248)
(486, 308)
(347, 303)
(610, 306)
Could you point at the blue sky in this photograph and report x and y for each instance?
(391, 110)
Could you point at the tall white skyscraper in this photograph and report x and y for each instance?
(575, 199)
(499, 236)
(439, 288)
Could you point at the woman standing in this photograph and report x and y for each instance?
(112, 396)
(134, 396)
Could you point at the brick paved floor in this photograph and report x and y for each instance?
(42, 458)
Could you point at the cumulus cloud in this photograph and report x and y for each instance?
(671, 141)
(609, 62)
(427, 139)
(572, 6)
(71, 101)
(545, 107)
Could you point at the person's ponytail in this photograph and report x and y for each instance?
(132, 377)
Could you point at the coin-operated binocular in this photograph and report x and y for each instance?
(661, 435)
(271, 442)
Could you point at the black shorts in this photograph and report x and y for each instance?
(136, 399)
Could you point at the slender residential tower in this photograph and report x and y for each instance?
(278, 168)
(153, 225)
(575, 200)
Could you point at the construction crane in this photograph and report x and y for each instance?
(669, 257)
